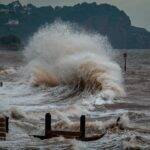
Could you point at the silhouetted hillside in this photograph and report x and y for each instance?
(105, 19)
(10, 42)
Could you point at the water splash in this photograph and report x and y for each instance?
(61, 54)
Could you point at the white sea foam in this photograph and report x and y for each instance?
(59, 54)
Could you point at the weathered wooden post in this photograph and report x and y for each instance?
(47, 124)
(125, 61)
(1, 84)
(82, 127)
(3, 127)
(7, 123)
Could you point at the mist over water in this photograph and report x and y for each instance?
(61, 54)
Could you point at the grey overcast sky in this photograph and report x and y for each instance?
(137, 10)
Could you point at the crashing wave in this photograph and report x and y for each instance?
(60, 54)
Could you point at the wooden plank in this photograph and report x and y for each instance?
(2, 138)
(2, 129)
(2, 119)
(2, 134)
(2, 124)
(40, 137)
(92, 138)
(66, 134)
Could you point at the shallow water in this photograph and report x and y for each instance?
(26, 106)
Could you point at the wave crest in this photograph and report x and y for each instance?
(61, 54)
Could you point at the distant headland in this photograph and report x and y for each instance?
(23, 21)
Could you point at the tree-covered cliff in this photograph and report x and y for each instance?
(105, 19)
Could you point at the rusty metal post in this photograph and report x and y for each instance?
(125, 61)
(47, 123)
(82, 127)
(7, 123)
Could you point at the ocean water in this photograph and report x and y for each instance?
(32, 86)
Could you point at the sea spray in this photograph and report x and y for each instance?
(61, 54)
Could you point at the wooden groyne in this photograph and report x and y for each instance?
(79, 135)
(4, 127)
